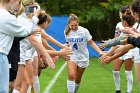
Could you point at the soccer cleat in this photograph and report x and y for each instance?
(118, 91)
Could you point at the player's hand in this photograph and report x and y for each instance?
(48, 62)
(66, 51)
(105, 59)
(67, 58)
(128, 30)
(54, 58)
(120, 49)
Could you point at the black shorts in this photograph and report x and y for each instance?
(14, 54)
(12, 74)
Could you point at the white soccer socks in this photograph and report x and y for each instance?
(70, 86)
(29, 89)
(36, 84)
(76, 87)
(116, 76)
(15, 91)
(129, 77)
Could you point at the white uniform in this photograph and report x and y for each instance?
(27, 52)
(129, 53)
(78, 43)
(31, 53)
(136, 51)
(24, 46)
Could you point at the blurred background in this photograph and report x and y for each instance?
(98, 16)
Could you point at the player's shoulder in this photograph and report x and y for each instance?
(80, 28)
(119, 25)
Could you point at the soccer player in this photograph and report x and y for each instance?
(123, 49)
(77, 37)
(9, 29)
(127, 20)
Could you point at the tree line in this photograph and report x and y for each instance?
(98, 16)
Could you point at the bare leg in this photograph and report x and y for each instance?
(25, 84)
(71, 76)
(79, 74)
(19, 77)
(11, 86)
(137, 71)
(29, 70)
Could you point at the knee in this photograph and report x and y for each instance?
(17, 86)
(31, 83)
(71, 76)
(11, 84)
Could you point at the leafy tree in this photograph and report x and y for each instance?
(99, 16)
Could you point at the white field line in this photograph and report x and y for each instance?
(52, 82)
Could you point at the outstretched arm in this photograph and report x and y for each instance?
(51, 39)
(118, 52)
(114, 41)
(63, 52)
(41, 49)
(95, 47)
(46, 45)
(134, 41)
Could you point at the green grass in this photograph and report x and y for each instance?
(96, 79)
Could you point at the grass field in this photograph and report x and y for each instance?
(96, 79)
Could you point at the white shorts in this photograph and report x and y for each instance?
(35, 54)
(82, 64)
(24, 46)
(30, 54)
(136, 55)
(128, 55)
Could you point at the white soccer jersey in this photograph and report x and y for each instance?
(26, 50)
(119, 26)
(38, 37)
(136, 51)
(129, 53)
(137, 27)
(78, 43)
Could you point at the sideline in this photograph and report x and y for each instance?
(52, 82)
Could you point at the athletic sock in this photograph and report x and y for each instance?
(36, 84)
(76, 87)
(70, 86)
(29, 89)
(129, 77)
(116, 76)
